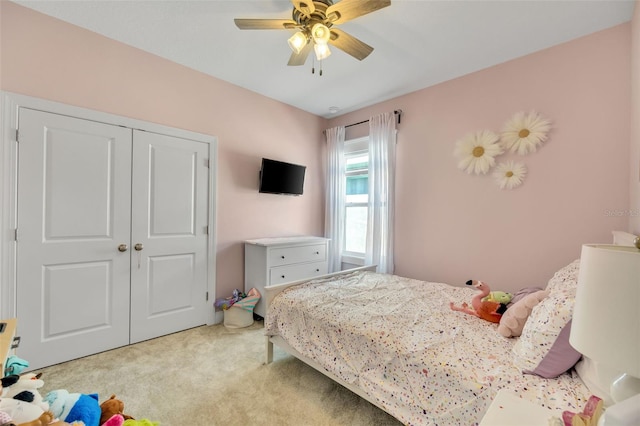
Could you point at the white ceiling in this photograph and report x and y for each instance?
(418, 43)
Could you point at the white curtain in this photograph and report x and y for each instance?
(382, 168)
(334, 199)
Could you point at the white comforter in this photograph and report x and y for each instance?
(398, 340)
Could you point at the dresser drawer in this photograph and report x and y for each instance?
(297, 254)
(285, 274)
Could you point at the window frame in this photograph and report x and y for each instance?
(353, 148)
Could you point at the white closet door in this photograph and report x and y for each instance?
(169, 227)
(74, 185)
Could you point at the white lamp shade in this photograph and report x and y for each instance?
(606, 317)
(320, 34)
(322, 51)
(297, 42)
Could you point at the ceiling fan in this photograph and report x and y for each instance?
(315, 22)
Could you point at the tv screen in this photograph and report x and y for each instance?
(278, 177)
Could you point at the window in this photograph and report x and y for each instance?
(356, 197)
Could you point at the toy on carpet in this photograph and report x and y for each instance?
(15, 365)
(24, 388)
(72, 407)
(48, 419)
(115, 420)
(485, 309)
(141, 422)
(20, 412)
(110, 407)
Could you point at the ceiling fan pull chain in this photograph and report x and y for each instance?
(313, 66)
(320, 69)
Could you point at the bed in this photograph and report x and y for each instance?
(395, 342)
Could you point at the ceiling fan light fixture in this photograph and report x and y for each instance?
(320, 33)
(297, 42)
(322, 51)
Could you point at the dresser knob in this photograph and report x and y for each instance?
(317, 252)
(317, 270)
(282, 257)
(283, 276)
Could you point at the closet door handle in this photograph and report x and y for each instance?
(123, 247)
(138, 247)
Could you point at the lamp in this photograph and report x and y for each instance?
(322, 51)
(606, 316)
(298, 41)
(320, 33)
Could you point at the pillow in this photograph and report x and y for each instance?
(543, 347)
(513, 320)
(560, 358)
(521, 294)
(621, 238)
(566, 279)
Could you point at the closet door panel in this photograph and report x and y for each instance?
(169, 225)
(74, 186)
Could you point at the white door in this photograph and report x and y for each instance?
(112, 236)
(74, 210)
(169, 235)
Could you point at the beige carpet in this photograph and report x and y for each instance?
(214, 376)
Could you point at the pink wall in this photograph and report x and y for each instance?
(451, 226)
(634, 218)
(47, 58)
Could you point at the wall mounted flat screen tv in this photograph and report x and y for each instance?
(278, 177)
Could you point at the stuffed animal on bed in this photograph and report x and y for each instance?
(485, 309)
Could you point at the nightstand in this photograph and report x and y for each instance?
(508, 409)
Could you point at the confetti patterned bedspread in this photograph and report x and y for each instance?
(398, 340)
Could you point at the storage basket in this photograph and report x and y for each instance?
(236, 317)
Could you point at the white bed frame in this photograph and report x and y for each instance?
(273, 291)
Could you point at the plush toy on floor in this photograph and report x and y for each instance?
(485, 309)
(142, 422)
(115, 420)
(110, 407)
(24, 388)
(72, 407)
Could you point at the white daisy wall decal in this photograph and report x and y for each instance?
(509, 174)
(477, 151)
(523, 133)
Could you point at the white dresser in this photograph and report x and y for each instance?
(270, 261)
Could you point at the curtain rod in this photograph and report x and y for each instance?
(397, 112)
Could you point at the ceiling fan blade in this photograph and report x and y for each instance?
(265, 24)
(297, 59)
(305, 7)
(349, 44)
(346, 10)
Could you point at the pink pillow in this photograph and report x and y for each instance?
(513, 321)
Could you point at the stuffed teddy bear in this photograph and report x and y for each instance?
(72, 407)
(513, 320)
(110, 407)
(485, 309)
(25, 388)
